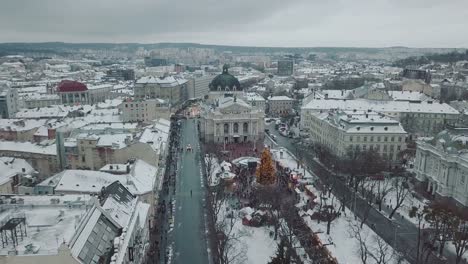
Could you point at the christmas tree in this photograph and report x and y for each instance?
(266, 171)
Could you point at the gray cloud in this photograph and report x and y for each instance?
(418, 23)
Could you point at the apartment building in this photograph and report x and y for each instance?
(341, 131)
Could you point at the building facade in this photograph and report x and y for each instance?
(285, 67)
(198, 86)
(144, 110)
(8, 102)
(232, 121)
(441, 165)
(280, 106)
(342, 131)
(419, 119)
(73, 92)
(41, 100)
(171, 89)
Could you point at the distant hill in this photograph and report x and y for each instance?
(62, 48)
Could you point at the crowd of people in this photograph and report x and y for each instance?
(159, 252)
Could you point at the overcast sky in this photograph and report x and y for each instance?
(300, 23)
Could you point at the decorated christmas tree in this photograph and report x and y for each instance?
(266, 171)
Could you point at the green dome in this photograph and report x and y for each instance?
(225, 82)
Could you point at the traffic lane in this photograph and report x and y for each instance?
(189, 223)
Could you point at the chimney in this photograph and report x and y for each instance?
(128, 168)
(326, 96)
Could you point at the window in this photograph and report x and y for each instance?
(385, 139)
(351, 138)
(226, 128)
(372, 138)
(83, 159)
(398, 147)
(399, 139)
(245, 127)
(365, 139)
(378, 138)
(392, 139)
(236, 128)
(462, 178)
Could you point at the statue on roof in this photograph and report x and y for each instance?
(225, 68)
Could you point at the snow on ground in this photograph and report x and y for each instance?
(261, 247)
(345, 247)
(253, 245)
(410, 201)
(287, 159)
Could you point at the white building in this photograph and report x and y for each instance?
(13, 172)
(441, 165)
(72, 93)
(144, 110)
(232, 121)
(40, 100)
(198, 86)
(425, 118)
(280, 106)
(171, 89)
(341, 131)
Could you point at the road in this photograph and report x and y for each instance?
(189, 230)
(399, 233)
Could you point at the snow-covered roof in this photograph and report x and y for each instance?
(408, 96)
(280, 98)
(381, 106)
(48, 225)
(139, 181)
(10, 167)
(28, 147)
(20, 124)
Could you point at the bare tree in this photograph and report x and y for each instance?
(355, 232)
(210, 165)
(401, 192)
(368, 198)
(272, 199)
(216, 199)
(460, 239)
(329, 212)
(228, 246)
(382, 189)
(372, 249)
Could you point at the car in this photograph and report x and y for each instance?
(189, 147)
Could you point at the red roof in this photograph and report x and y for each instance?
(71, 86)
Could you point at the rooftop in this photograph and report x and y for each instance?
(71, 86)
(381, 106)
(47, 225)
(28, 147)
(139, 181)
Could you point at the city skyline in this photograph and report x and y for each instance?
(300, 23)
